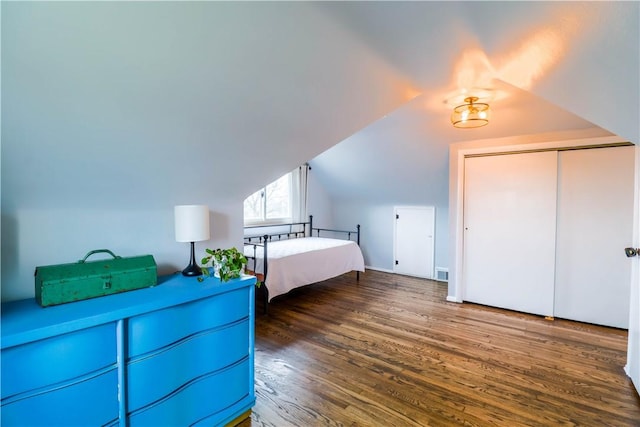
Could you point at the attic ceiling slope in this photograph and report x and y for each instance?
(599, 77)
(582, 56)
(176, 100)
(402, 158)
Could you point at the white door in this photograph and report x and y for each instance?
(414, 241)
(595, 223)
(509, 231)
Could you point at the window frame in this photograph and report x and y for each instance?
(272, 221)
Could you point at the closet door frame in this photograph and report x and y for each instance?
(457, 155)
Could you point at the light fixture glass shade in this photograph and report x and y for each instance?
(470, 115)
(191, 223)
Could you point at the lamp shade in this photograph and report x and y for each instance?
(191, 223)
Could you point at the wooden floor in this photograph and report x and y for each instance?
(390, 351)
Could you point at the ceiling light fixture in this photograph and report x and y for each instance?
(470, 115)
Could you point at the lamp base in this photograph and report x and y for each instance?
(192, 269)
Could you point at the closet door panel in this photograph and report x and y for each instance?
(595, 214)
(509, 236)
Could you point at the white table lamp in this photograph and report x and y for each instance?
(192, 225)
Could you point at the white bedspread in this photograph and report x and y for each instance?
(298, 262)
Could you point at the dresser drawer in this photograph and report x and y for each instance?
(90, 402)
(204, 397)
(176, 354)
(187, 360)
(158, 329)
(57, 359)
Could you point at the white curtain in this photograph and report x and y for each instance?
(300, 193)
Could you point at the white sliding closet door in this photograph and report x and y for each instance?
(509, 231)
(595, 223)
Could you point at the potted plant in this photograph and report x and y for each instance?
(227, 263)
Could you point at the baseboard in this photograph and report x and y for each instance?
(384, 270)
(451, 298)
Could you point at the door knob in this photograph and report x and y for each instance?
(631, 252)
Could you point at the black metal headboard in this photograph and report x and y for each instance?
(289, 230)
(356, 232)
(292, 230)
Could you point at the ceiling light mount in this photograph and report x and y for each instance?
(473, 114)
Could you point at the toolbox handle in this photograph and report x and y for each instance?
(96, 252)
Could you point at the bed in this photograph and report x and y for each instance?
(297, 254)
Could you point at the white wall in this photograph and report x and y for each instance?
(377, 221)
(35, 237)
(319, 203)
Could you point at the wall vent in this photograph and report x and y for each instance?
(442, 274)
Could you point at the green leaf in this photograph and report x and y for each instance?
(229, 262)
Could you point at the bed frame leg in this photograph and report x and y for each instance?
(357, 276)
(265, 299)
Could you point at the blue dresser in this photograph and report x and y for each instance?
(177, 354)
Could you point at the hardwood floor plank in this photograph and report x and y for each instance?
(389, 350)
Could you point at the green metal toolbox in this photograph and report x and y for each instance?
(59, 284)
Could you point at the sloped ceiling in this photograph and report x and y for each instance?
(543, 66)
(155, 103)
(161, 103)
(582, 56)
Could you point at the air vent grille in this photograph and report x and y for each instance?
(442, 274)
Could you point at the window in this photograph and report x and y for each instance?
(271, 204)
(282, 201)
